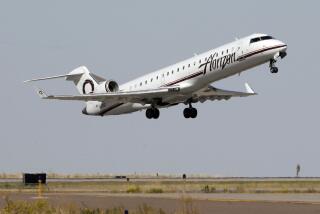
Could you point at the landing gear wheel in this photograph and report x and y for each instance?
(190, 112)
(152, 113)
(274, 70)
(193, 112)
(149, 113)
(156, 113)
(186, 113)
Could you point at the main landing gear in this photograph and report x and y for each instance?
(190, 112)
(152, 113)
(273, 68)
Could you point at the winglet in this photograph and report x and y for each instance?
(41, 93)
(249, 89)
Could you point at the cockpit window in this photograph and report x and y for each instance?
(257, 39)
(266, 37)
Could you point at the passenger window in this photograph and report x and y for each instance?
(205, 59)
(182, 67)
(146, 82)
(172, 71)
(222, 53)
(189, 65)
(178, 69)
(168, 73)
(162, 75)
(194, 63)
(227, 51)
(157, 77)
(200, 61)
(151, 79)
(140, 83)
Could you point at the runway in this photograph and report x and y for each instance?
(225, 195)
(203, 203)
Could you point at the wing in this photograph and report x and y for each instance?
(143, 96)
(171, 95)
(212, 93)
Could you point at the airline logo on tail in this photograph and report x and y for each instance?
(88, 87)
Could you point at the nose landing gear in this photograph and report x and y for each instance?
(283, 54)
(273, 68)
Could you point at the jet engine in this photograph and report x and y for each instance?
(111, 86)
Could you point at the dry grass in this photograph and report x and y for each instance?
(134, 189)
(171, 186)
(43, 206)
(155, 190)
(10, 175)
(263, 187)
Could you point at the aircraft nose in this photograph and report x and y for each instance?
(283, 45)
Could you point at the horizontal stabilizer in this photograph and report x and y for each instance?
(67, 76)
(41, 93)
(75, 74)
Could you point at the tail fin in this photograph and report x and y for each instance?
(81, 77)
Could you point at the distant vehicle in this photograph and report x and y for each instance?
(120, 177)
(185, 82)
(34, 178)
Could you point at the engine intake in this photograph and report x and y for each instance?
(111, 86)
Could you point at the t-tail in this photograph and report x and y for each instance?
(85, 82)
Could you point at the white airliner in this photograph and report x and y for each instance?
(184, 82)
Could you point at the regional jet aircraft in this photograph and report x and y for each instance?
(185, 82)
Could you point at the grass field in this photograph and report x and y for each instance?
(153, 196)
(171, 186)
(44, 206)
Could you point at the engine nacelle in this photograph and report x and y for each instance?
(92, 108)
(111, 86)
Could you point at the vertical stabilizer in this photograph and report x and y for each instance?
(83, 80)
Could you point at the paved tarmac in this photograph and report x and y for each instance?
(203, 203)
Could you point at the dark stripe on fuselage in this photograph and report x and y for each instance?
(184, 78)
(258, 52)
(110, 108)
(239, 59)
